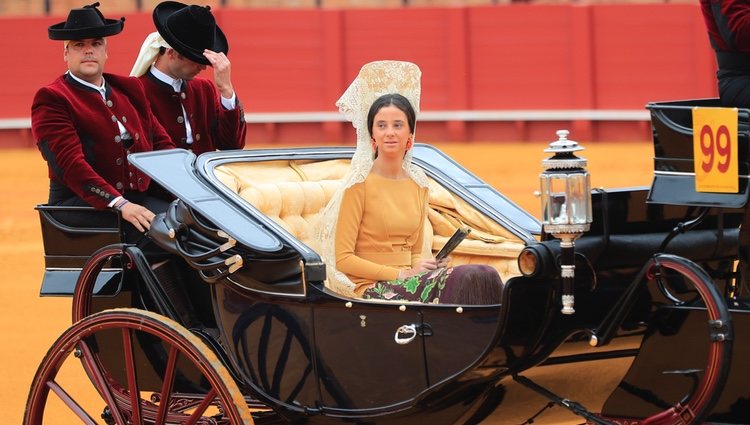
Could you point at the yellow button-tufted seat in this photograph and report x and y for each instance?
(294, 193)
(294, 205)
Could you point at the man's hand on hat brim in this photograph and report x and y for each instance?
(222, 72)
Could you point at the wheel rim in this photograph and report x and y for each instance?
(220, 403)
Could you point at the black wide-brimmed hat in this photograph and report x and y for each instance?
(189, 30)
(85, 22)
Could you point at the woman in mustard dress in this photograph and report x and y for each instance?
(382, 209)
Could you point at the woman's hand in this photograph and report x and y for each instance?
(423, 265)
(444, 262)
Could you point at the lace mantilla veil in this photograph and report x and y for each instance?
(374, 80)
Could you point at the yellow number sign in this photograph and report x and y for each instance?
(715, 150)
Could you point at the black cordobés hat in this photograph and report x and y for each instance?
(189, 30)
(85, 22)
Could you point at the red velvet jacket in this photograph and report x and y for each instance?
(78, 135)
(737, 15)
(213, 126)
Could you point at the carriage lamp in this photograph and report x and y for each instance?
(566, 206)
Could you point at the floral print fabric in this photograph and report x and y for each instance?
(467, 284)
(426, 287)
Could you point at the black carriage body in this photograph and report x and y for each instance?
(315, 356)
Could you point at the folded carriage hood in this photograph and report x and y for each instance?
(175, 171)
(476, 192)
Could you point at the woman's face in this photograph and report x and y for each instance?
(391, 134)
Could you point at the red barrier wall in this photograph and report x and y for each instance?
(509, 57)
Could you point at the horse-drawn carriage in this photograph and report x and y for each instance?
(246, 328)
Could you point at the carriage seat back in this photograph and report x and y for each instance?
(291, 193)
(293, 205)
(674, 160)
(68, 247)
(294, 193)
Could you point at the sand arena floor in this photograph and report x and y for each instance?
(30, 324)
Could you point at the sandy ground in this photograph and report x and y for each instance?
(30, 324)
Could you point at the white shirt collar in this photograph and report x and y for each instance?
(101, 89)
(176, 84)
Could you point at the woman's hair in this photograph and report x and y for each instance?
(396, 100)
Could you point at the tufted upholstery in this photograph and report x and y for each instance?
(294, 205)
(293, 193)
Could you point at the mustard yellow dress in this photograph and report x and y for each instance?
(380, 230)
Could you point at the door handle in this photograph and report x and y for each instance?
(405, 334)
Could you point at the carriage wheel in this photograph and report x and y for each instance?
(219, 401)
(695, 406)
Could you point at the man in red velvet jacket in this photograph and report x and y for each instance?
(86, 123)
(728, 25)
(195, 116)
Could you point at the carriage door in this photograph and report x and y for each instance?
(360, 363)
(455, 338)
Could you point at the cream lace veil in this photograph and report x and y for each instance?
(374, 80)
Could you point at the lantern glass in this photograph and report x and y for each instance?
(554, 198)
(565, 198)
(579, 198)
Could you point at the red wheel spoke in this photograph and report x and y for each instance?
(201, 407)
(101, 382)
(130, 370)
(167, 385)
(68, 400)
